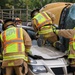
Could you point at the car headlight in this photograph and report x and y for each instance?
(32, 61)
(38, 69)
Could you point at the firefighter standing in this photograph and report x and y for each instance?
(42, 23)
(16, 44)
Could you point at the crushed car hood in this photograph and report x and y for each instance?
(46, 52)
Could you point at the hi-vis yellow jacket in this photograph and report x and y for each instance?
(16, 44)
(13, 44)
(42, 19)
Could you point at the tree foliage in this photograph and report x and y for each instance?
(29, 5)
(32, 4)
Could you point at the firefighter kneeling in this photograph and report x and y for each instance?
(16, 43)
(42, 23)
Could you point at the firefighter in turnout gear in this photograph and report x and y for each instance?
(42, 23)
(70, 34)
(16, 45)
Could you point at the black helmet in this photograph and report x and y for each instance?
(32, 13)
(7, 22)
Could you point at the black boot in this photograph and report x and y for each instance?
(58, 45)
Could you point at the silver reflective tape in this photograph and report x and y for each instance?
(19, 33)
(13, 41)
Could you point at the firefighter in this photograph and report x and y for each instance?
(16, 45)
(42, 23)
(70, 34)
(31, 33)
(18, 22)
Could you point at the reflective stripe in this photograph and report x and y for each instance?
(18, 33)
(28, 50)
(72, 42)
(44, 23)
(11, 64)
(47, 29)
(71, 56)
(19, 47)
(15, 57)
(44, 14)
(19, 44)
(42, 19)
(13, 41)
(72, 39)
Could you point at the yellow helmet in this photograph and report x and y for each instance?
(18, 19)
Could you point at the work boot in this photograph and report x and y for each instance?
(58, 45)
(40, 41)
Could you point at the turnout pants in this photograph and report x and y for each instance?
(18, 70)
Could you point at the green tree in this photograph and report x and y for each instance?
(2, 3)
(39, 3)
